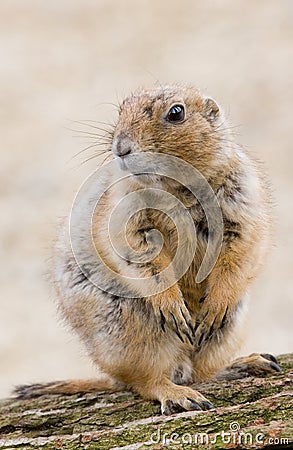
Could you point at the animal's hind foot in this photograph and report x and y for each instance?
(256, 364)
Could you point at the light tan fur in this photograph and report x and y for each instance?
(189, 332)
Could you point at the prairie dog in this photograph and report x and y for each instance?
(150, 324)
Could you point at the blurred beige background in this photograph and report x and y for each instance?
(61, 60)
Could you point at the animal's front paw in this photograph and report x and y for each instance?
(212, 318)
(175, 315)
(184, 398)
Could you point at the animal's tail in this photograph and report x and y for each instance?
(67, 387)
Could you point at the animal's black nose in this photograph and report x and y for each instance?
(122, 145)
(123, 148)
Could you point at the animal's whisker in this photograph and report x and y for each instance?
(226, 128)
(95, 156)
(108, 103)
(104, 130)
(108, 124)
(98, 151)
(80, 133)
(93, 146)
(106, 158)
(97, 143)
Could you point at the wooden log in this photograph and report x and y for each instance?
(250, 413)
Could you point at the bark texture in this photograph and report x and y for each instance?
(250, 413)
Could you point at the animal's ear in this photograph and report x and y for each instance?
(211, 109)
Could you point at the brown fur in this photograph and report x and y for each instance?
(189, 332)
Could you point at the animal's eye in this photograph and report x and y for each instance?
(176, 114)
